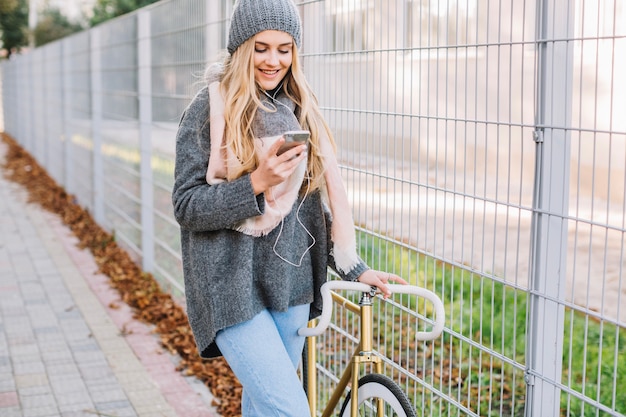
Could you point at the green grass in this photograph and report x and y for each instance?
(595, 365)
(485, 316)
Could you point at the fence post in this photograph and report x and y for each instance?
(96, 125)
(2, 97)
(28, 141)
(66, 94)
(144, 76)
(44, 101)
(215, 32)
(19, 74)
(38, 113)
(544, 354)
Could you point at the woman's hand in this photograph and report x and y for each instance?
(274, 169)
(380, 279)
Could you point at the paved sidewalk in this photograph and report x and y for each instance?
(68, 345)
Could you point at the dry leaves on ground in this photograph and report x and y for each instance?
(138, 289)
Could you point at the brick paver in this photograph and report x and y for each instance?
(68, 345)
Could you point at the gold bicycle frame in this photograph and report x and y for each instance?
(362, 355)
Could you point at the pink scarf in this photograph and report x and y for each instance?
(280, 199)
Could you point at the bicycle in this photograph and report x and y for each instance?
(376, 395)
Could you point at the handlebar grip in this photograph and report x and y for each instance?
(440, 312)
(324, 319)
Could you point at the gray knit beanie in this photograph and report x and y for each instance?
(253, 16)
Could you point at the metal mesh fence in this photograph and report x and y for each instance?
(483, 147)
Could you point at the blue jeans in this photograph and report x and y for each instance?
(264, 354)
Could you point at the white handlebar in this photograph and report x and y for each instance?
(324, 319)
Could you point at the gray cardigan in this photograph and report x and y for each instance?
(230, 276)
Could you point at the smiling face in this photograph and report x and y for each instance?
(273, 54)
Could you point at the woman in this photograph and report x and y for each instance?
(259, 228)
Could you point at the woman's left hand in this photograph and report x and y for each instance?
(380, 279)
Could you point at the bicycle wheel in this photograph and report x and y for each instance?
(376, 386)
(304, 368)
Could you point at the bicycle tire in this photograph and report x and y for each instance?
(304, 368)
(374, 386)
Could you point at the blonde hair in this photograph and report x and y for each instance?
(241, 99)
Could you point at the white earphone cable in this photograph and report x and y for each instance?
(282, 222)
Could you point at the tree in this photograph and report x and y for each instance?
(108, 9)
(7, 5)
(13, 25)
(53, 25)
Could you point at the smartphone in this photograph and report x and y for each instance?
(293, 138)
